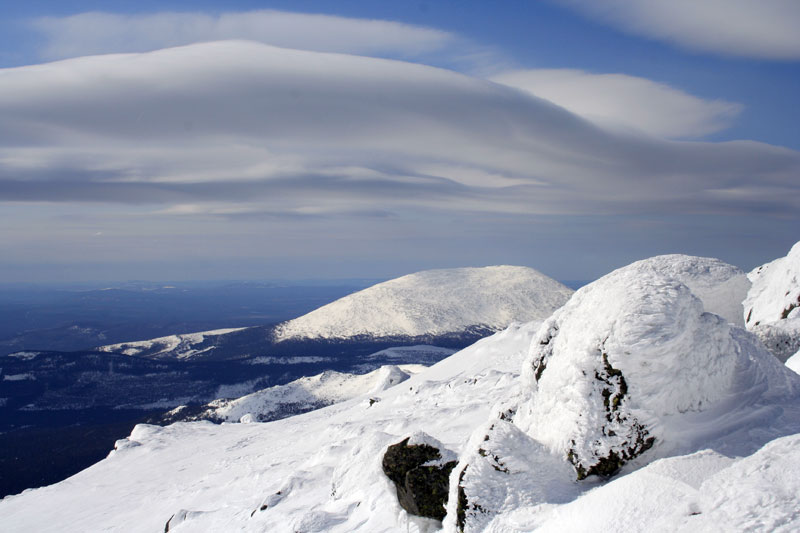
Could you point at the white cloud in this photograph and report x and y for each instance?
(750, 28)
(102, 33)
(628, 102)
(278, 131)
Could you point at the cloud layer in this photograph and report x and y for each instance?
(102, 33)
(765, 29)
(245, 122)
(238, 149)
(620, 101)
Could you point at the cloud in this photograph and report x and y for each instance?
(271, 127)
(103, 33)
(766, 29)
(626, 102)
(233, 148)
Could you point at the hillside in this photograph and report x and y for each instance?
(435, 302)
(631, 408)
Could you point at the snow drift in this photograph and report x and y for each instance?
(435, 302)
(632, 368)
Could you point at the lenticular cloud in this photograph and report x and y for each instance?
(271, 127)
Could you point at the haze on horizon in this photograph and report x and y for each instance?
(292, 140)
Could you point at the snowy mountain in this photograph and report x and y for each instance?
(632, 408)
(435, 302)
(772, 306)
(183, 346)
(452, 307)
(297, 396)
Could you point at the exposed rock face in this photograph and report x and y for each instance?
(419, 468)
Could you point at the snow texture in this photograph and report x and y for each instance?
(776, 290)
(320, 471)
(435, 302)
(772, 306)
(636, 352)
(625, 354)
(307, 393)
(632, 368)
(172, 346)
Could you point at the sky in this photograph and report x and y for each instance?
(179, 140)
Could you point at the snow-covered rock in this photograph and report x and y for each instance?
(776, 290)
(299, 396)
(628, 353)
(435, 302)
(781, 338)
(631, 364)
(772, 306)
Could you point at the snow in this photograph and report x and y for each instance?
(180, 346)
(793, 362)
(630, 370)
(25, 356)
(435, 302)
(306, 393)
(775, 290)
(326, 464)
(723, 414)
(654, 330)
(772, 306)
(27, 376)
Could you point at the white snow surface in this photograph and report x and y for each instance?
(794, 362)
(775, 290)
(181, 346)
(720, 286)
(323, 389)
(319, 471)
(631, 358)
(683, 367)
(435, 302)
(724, 412)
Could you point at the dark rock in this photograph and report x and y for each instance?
(421, 490)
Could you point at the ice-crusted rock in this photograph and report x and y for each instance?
(776, 290)
(772, 306)
(781, 338)
(435, 302)
(632, 363)
(628, 353)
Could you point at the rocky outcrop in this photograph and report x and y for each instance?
(420, 467)
(631, 369)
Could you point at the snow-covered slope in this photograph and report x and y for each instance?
(772, 306)
(632, 354)
(320, 471)
(183, 346)
(435, 302)
(299, 396)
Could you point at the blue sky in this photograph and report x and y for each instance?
(570, 136)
